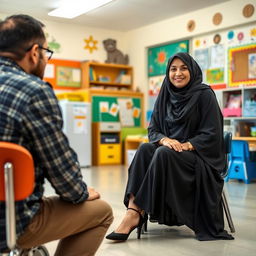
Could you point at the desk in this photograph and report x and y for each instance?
(132, 142)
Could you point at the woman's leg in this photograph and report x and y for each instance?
(137, 172)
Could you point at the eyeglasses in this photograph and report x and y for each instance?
(48, 52)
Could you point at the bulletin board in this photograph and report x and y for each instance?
(242, 65)
(63, 74)
(111, 103)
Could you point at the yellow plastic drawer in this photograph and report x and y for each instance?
(110, 154)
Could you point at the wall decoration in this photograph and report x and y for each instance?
(231, 35)
(68, 77)
(217, 56)
(191, 25)
(202, 58)
(248, 10)
(155, 83)
(253, 34)
(52, 43)
(240, 36)
(217, 39)
(252, 65)
(91, 44)
(215, 76)
(241, 65)
(197, 43)
(158, 56)
(217, 18)
(113, 54)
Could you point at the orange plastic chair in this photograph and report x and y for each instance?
(16, 183)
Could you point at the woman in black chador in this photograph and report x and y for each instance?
(175, 177)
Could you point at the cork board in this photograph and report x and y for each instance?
(239, 65)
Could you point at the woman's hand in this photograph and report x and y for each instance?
(171, 143)
(187, 146)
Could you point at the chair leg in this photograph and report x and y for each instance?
(227, 212)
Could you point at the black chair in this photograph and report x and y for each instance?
(224, 173)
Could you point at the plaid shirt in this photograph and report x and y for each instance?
(30, 116)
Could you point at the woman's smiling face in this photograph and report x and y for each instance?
(179, 74)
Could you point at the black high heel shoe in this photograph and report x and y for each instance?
(123, 237)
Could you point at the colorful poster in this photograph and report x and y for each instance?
(158, 56)
(70, 77)
(155, 83)
(215, 76)
(252, 65)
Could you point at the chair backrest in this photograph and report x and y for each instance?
(227, 144)
(23, 166)
(16, 183)
(240, 150)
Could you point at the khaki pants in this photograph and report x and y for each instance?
(80, 227)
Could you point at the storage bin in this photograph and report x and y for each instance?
(232, 112)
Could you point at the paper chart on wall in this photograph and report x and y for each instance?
(217, 56)
(126, 112)
(79, 117)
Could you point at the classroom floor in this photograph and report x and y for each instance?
(177, 241)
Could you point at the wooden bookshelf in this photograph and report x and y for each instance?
(106, 76)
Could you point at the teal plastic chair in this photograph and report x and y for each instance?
(241, 165)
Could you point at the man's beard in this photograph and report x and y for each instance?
(39, 69)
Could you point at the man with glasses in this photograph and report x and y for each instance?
(30, 116)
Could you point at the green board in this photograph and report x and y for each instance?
(158, 56)
(98, 116)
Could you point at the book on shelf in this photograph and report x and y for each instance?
(92, 74)
(123, 78)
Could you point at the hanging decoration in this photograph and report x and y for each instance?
(191, 25)
(248, 10)
(217, 18)
(91, 44)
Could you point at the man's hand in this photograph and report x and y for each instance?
(92, 194)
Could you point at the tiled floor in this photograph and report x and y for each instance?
(177, 241)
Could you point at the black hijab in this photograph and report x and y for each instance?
(174, 106)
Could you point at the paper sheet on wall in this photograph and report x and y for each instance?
(114, 109)
(104, 107)
(217, 56)
(79, 116)
(49, 71)
(126, 112)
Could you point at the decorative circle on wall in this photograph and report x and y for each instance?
(240, 36)
(248, 10)
(231, 34)
(191, 25)
(217, 18)
(217, 39)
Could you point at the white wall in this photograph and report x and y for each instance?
(136, 42)
(71, 37)
(175, 29)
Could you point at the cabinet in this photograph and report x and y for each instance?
(106, 143)
(106, 76)
(239, 109)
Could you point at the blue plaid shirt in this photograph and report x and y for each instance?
(30, 116)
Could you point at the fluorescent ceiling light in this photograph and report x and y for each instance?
(72, 8)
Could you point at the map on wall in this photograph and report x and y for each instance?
(158, 56)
